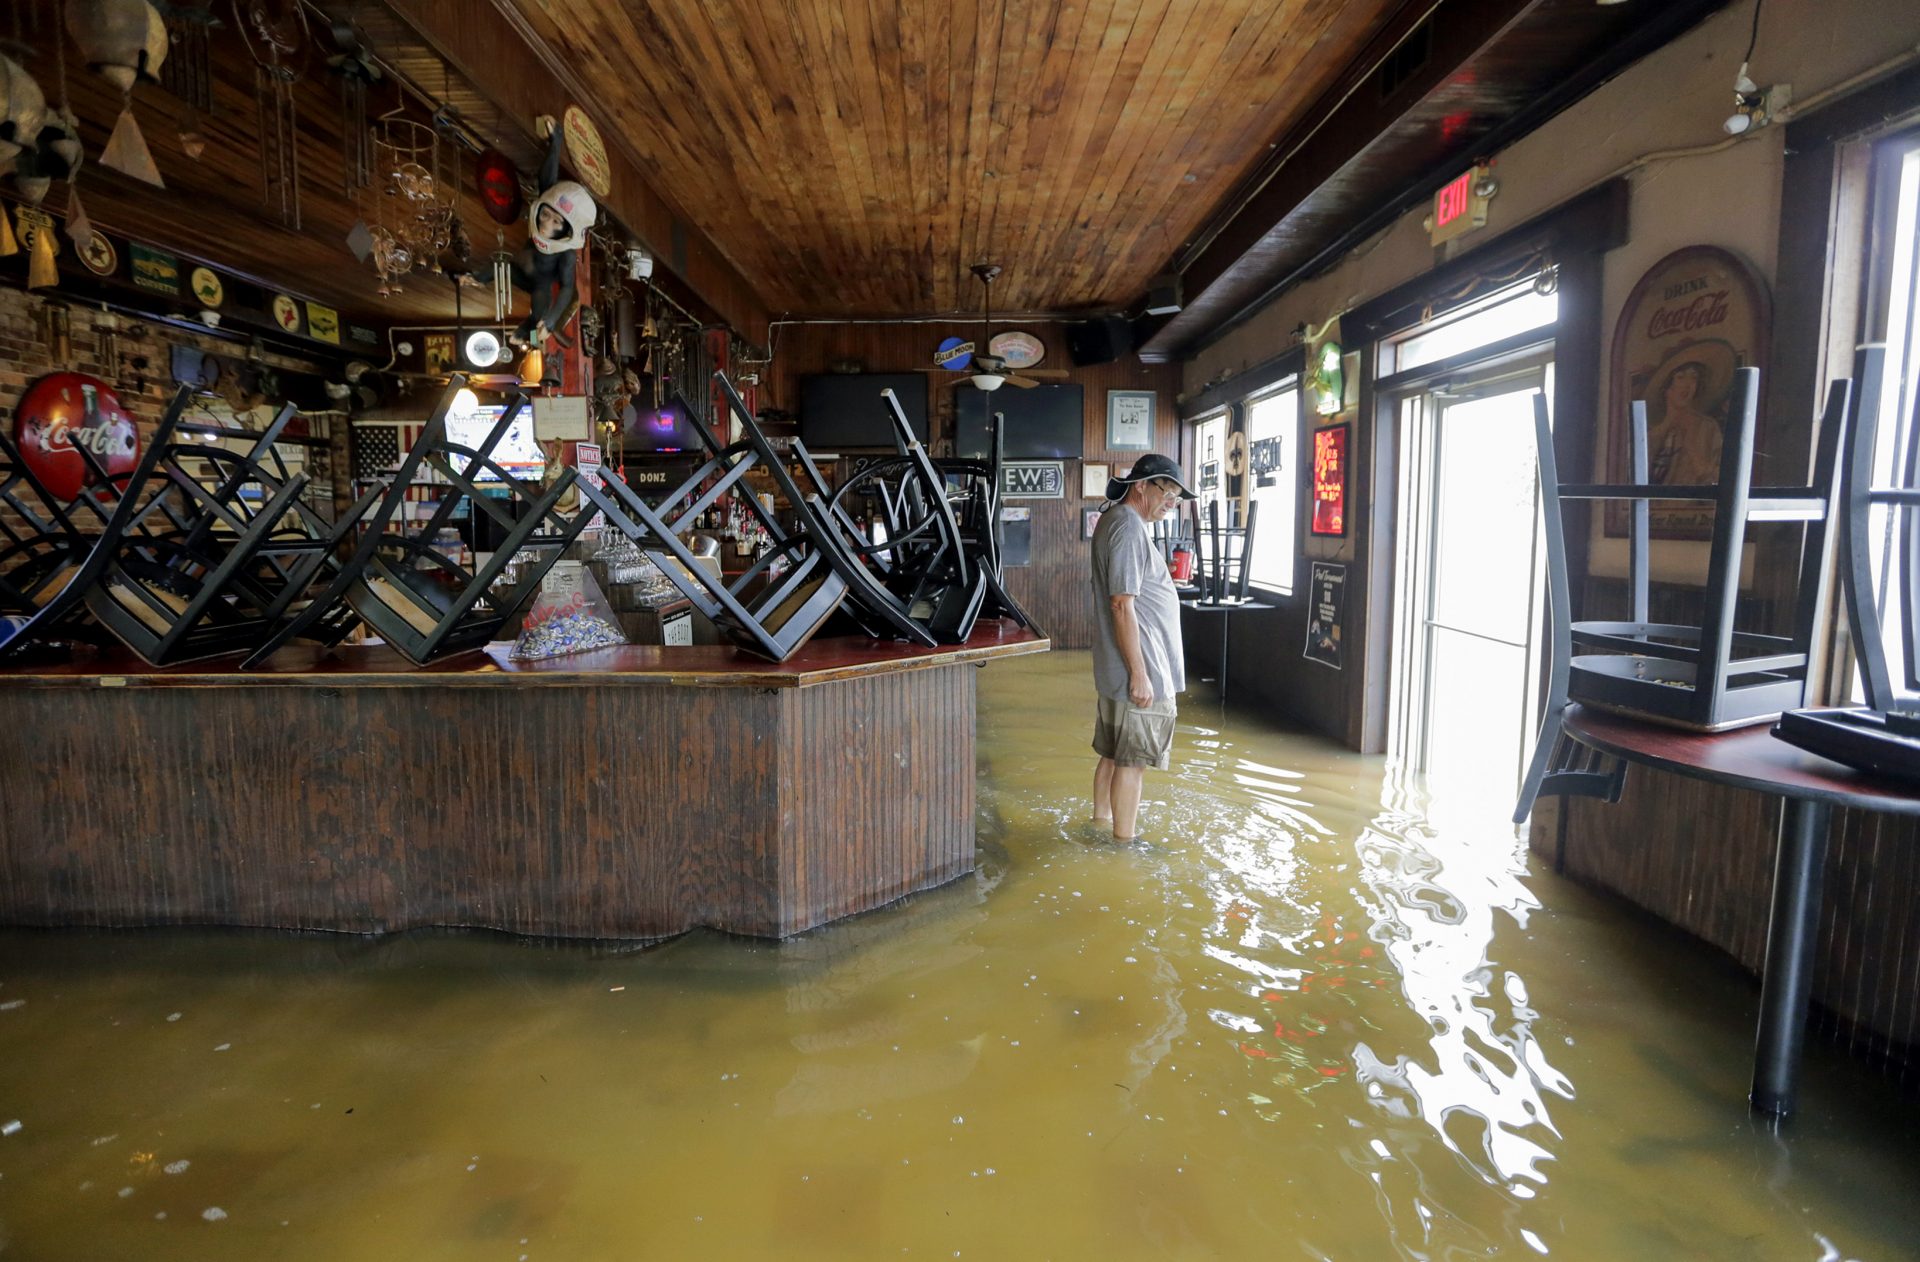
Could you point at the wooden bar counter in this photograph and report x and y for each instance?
(631, 792)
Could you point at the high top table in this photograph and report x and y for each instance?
(1811, 786)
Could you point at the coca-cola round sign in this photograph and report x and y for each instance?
(63, 413)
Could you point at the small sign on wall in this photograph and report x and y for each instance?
(1326, 612)
(1330, 481)
(1033, 479)
(1130, 420)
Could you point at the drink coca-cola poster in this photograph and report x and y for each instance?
(60, 415)
(1696, 316)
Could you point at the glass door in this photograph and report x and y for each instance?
(1473, 587)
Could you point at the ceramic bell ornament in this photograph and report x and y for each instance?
(122, 41)
(22, 109)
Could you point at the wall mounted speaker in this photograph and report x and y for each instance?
(1099, 341)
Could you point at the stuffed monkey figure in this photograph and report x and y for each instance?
(557, 224)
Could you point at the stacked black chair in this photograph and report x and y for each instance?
(210, 546)
(876, 609)
(1884, 735)
(423, 603)
(46, 545)
(1680, 675)
(934, 548)
(777, 604)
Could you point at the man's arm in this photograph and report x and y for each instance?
(1126, 634)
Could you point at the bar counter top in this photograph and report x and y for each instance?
(822, 661)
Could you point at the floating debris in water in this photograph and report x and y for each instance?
(223, 1047)
(11, 1004)
(213, 1213)
(177, 1167)
(11, 1128)
(174, 1016)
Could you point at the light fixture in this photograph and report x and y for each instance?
(1749, 106)
(639, 264)
(483, 349)
(465, 402)
(987, 379)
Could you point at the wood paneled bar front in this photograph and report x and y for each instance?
(633, 792)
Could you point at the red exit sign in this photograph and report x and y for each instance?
(1457, 209)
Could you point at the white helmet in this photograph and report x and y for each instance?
(574, 205)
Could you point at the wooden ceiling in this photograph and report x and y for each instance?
(856, 158)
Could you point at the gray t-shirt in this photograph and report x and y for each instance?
(1125, 563)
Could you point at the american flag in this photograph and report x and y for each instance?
(379, 446)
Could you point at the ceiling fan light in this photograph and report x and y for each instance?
(988, 381)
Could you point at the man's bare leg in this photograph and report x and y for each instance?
(1126, 801)
(1103, 792)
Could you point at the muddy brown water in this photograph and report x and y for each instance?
(1305, 1021)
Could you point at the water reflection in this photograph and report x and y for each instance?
(1303, 1021)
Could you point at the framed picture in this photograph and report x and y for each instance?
(1093, 480)
(1089, 522)
(1130, 420)
(1697, 317)
(1330, 480)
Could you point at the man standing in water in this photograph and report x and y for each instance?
(1138, 666)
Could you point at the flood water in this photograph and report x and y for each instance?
(1301, 1022)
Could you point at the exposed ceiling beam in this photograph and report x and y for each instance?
(1494, 70)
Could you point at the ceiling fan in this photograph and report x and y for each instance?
(990, 371)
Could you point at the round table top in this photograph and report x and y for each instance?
(1747, 757)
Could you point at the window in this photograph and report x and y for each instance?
(1498, 316)
(1273, 480)
(1210, 460)
(1893, 316)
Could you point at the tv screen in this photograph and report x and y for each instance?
(1044, 422)
(664, 429)
(518, 453)
(845, 409)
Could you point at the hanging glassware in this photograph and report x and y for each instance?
(415, 180)
(275, 32)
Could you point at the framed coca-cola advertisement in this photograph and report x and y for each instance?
(1695, 317)
(61, 414)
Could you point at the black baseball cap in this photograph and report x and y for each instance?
(1152, 465)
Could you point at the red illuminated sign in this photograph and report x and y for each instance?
(1330, 481)
(1453, 201)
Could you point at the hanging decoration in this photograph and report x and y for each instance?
(498, 183)
(357, 67)
(275, 32)
(412, 198)
(557, 225)
(44, 142)
(502, 279)
(37, 233)
(22, 109)
(9, 245)
(122, 41)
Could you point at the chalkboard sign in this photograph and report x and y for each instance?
(845, 409)
(1044, 422)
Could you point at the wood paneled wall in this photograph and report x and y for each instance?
(1701, 856)
(1053, 588)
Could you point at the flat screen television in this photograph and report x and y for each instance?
(518, 453)
(667, 428)
(845, 409)
(1044, 422)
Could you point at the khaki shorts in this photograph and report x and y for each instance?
(1134, 737)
